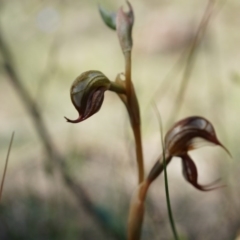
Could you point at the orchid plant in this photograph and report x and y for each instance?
(87, 95)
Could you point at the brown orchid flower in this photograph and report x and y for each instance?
(87, 93)
(187, 134)
(190, 133)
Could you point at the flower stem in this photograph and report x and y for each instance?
(114, 87)
(139, 152)
(134, 114)
(128, 67)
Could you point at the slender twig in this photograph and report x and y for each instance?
(162, 88)
(50, 66)
(170, 214)
(191, 59)
(6, 164)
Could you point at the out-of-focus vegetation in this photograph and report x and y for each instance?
(52, 42)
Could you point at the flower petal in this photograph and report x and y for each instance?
(191, 175)
(182, 136)
(87, 94)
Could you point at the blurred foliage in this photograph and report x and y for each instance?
(30, 217)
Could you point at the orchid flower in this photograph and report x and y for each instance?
(87, 93)
(185, 135)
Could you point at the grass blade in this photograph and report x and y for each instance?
(6, 164)
(191, 59)
(171, 219)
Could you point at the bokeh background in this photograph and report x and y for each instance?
(85, 192)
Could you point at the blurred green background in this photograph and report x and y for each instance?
(51, 43)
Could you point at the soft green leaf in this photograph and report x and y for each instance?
(109, 18)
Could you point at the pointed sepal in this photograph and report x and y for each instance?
(181, 138)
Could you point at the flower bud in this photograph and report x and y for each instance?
(125, 22)
(87, 94)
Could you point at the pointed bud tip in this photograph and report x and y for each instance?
(74, 121)
(130, 9)
(67, 120)
(209, 187)
(226, 150)
(124, 24)
(205, 189)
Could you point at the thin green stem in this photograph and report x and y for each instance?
(168, 199)
(6, 164)
(114, 87)
(171, 219)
